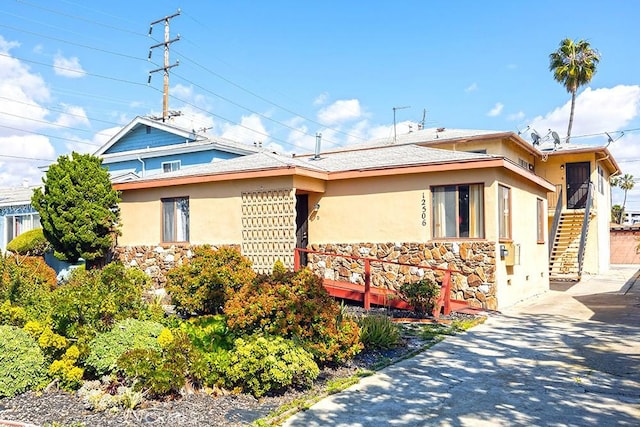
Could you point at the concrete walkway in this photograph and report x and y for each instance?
(570, 357)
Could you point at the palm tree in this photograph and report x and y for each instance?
(625, 183)
(573, 64)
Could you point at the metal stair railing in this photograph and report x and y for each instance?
(585, 228)
(556, 223)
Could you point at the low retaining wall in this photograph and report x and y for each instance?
(476, 261)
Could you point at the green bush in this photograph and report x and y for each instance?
(31, 242)
(22, 364)
(268, 364)
(295, 306)
(165, 371)
(208, 333)
(94, 300)
(202, 285)
(66, 371)
(27, 282)
(12, 315)
(107, 347)
(379, 332)
(421, 295)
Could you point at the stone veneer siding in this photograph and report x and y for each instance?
(476, 282)
(156, 261)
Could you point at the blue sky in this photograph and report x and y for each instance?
(73, 72)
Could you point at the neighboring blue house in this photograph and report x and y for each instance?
(16, 214)
(148, 147)
(143, 148)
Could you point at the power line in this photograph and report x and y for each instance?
(75, 141)
(60, 110)
(81, 18)
(26, 158)
(57, 125)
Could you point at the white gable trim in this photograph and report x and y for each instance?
(187, 135)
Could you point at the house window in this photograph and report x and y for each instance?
(541, 220)
(458, 211)
(18, 224)
(170, 166)
(600, 180)
(504, 212)
(148, 130)
(175, 219)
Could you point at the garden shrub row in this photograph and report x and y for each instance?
(232, 329)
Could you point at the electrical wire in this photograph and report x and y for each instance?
(60, 110)
(75, 141)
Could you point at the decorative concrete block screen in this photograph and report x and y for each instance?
(269, 228)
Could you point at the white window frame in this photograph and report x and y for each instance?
(174, 165)
(175, 220)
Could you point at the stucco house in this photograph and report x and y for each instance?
(479, 213)
(580, 206)
(16, 214)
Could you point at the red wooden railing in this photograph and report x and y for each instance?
(380, 296)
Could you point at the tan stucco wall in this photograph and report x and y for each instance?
(499, 147)
(214, 211)
(530, 274)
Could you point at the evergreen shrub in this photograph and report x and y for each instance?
(269, 364)
(22, 364)
(107, 347)
(295, 306)
(203, 284)
(31, 242)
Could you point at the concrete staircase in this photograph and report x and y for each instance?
(563, 262)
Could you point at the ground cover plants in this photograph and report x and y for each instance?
(269, 336)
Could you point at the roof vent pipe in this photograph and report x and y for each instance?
(316, 155)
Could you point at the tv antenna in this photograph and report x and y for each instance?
(424, 116)
(395, 135)
(535, 137)
(520, 132)
(556, 138)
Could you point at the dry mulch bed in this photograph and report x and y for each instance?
(196, 409)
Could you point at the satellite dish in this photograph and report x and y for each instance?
(535, 137)
(556, 138)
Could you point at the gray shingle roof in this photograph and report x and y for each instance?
(342, 161)
(425, 136)
(14, 196)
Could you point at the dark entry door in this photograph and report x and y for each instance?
(577, 184)
(302, 225)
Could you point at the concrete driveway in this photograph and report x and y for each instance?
(570, 357)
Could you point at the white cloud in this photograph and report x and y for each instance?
(596, 111)
(340, 111)
(68, 67)
(73, 115)
(321, 99)
(21, 156)
(496, 110)
(249, 130)
(472, 88)
(516, 116)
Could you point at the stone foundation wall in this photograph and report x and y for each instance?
(156, 261)
(476, 282)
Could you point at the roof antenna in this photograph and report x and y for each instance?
(395, 135)
(535, 137)
(424, 116)
(556, 138)
(520, 132)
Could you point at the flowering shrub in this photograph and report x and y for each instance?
(69, 375)
(295, 306)
(202, 285)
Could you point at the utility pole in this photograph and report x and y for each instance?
(166, 67)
